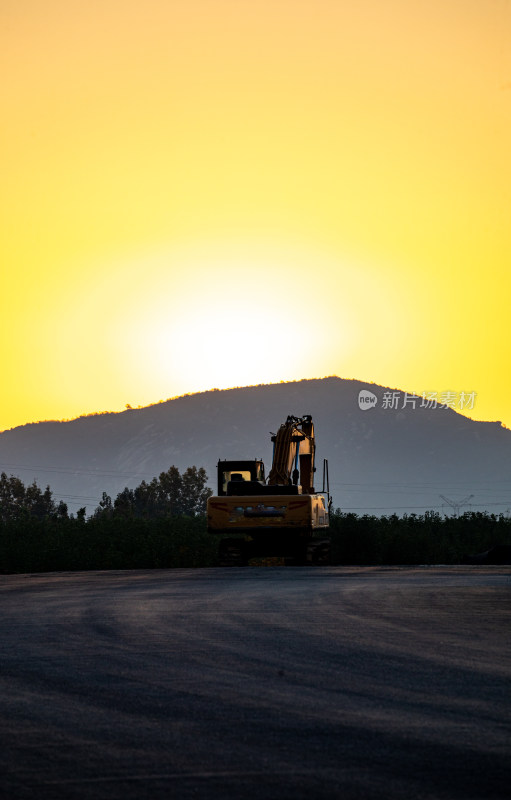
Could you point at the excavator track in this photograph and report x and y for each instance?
(318, 552)
(231, 553)
(237, 553)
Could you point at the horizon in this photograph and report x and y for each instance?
(398, 457)
(221, 194)
(129, 407)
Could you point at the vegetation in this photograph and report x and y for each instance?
(21, 503)
(162, 524)
(158, 524)
(169, 495)
(429, 538)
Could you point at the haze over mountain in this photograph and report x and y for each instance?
(381, 460)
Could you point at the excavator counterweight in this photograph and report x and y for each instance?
(282, 517)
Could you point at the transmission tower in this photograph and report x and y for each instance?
(457, 504)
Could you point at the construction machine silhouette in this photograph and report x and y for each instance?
(279, 520)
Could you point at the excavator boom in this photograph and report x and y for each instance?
(293, 454)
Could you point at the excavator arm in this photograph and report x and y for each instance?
(293, 454)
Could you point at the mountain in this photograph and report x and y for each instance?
(381, 459)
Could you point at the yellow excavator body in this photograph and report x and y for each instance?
(283, 516)
(302, 513)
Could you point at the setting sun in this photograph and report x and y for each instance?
(213, 194)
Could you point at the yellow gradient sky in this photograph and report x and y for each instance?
(211, 193)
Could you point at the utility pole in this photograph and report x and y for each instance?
(457, 504)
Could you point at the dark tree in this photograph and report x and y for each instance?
(18, 501)
(195, 493)
(169, 495)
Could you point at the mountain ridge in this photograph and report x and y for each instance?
(381, 459)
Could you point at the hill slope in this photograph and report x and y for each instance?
(381, 460)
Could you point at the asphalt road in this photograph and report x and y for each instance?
(274, 682)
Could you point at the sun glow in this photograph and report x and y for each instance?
(234, 317)
(216, 193)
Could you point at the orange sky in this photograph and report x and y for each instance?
(221, 192)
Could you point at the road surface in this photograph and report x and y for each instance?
(297, 682)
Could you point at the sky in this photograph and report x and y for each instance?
(203, 194)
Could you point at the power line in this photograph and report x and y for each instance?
(75, 497)
(414, 492)
(115, 473)
(412, 485)
(430, 507)
(399, 488)
(71, 470)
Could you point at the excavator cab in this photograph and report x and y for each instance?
(239, 473)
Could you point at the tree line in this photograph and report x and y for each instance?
(170, 494)
(18, 501)
(162, 523)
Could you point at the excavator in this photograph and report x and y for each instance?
(279, 520)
